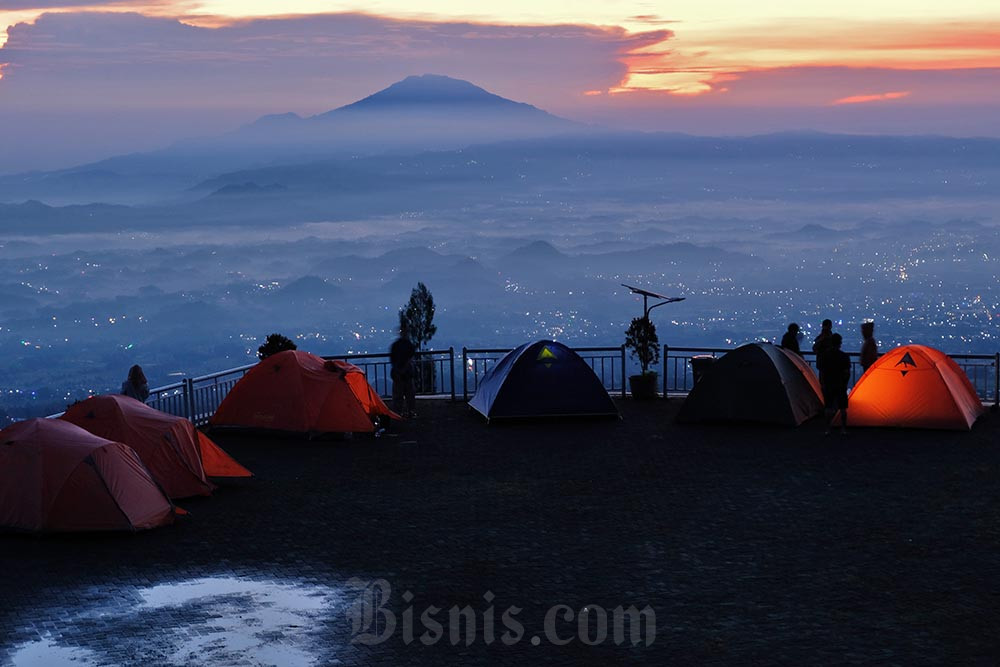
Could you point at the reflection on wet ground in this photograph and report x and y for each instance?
(223, 620)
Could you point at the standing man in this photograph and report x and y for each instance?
(820, 345)
(822, 341)
(834, 377)
(401, 355)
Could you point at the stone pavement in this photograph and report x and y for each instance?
(750, 544)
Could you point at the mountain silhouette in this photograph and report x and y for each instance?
(434, 92)
(427, 112)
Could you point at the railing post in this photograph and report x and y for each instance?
(189, 398)
(465, 375)
(996, 381)
(666, 350)
(451, 365)
(624, 375)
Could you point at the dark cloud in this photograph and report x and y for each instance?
(299, 63)
(81, 86)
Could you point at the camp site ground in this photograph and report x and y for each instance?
(751, 544)
(595, 541)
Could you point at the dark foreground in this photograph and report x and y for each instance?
(749, 544)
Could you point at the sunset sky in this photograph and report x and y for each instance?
(723, 67)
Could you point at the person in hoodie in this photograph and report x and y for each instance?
(869, 348)
(136, 386)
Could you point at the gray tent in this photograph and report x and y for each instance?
(758, 382)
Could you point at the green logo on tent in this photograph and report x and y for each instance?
(546, 355)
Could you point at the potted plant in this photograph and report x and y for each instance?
(644, 345)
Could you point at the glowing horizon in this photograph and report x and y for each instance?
(694, 51)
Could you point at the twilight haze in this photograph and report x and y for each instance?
(85, 79)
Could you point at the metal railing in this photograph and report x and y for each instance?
(983, 370)
(608, 363)
(198, 398)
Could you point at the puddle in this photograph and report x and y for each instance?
(46, 652)
(209, 620)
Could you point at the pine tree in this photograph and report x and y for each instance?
(416, 319)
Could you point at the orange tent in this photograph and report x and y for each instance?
(299, 392)
(356, 380)
(178, 456)
(914, 386)
(55, 476)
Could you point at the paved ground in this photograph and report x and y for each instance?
(749, 544)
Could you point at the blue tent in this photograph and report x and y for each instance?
(542, 379)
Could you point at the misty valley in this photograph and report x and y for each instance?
(521, 224)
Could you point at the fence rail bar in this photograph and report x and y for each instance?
(197, 398)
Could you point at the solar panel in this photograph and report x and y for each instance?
(643, 292)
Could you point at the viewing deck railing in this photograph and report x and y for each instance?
(678, 373)
(197, 398)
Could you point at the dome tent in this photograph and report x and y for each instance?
(542, 379)
(914, 386)
(55, 476)
(298, 392)
(758, 382)
(179, 457)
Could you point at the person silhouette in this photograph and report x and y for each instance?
(136, 386)
(822, 340)
(790, 341)
(835, 374)
(401, 355)
(820, 344)
(869, 347)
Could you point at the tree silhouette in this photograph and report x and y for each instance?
(274, 344)
(416, 319)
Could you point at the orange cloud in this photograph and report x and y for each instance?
(697, 60)
(862, 99)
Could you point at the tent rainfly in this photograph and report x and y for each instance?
(179, 457)
(57, 477)
(542, 379)
(914, 386)
(758, 382)
(298, 392)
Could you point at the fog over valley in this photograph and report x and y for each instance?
(521, 223)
